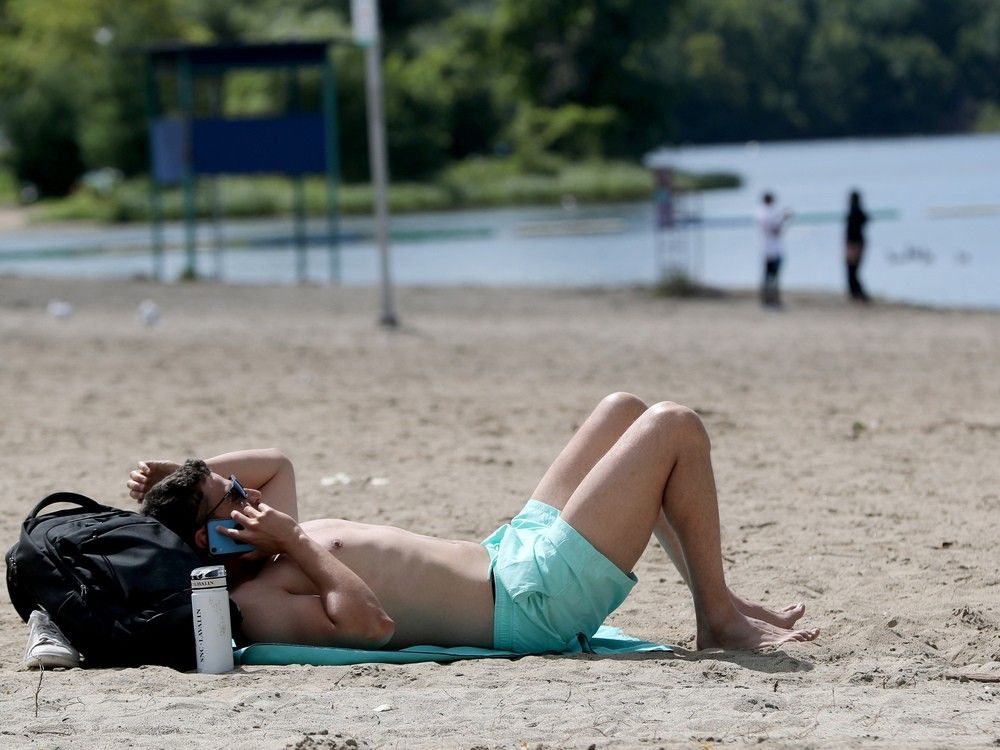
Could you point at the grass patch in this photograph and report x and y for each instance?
(988, 119)
(81, 205)
(472, 183)
(678, 284)
(8, 187)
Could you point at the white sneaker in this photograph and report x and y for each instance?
(47, 646)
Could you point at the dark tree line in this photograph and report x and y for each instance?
(534, 81)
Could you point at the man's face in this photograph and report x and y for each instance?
(223, 496)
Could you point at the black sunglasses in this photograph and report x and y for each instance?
(235, 488)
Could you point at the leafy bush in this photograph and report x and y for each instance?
(8, 187)
(571, 131)
(677, 283)
(988, 119)
(475, 182)
(41, 123)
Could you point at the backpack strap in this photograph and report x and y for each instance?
(72, 498)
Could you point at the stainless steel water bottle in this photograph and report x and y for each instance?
(213, 633)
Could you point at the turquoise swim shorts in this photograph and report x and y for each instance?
(551, 585)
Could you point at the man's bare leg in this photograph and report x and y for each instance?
(662, 463)
(602, 429)
(785, 618)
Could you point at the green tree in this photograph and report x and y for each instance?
(72, 98)
(593, 54)
(835, 60)
(400, 19)
(44, 60)
(911, 87)
(41, 123)
(554, 80)
(977, 60)
(113, 120)
(738, 68)
(809, 68)
(440, 102)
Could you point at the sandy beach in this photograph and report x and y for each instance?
(856, 453)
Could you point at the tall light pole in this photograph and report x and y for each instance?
(364, 19)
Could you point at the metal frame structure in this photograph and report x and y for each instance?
(679, 226)
(184, 146)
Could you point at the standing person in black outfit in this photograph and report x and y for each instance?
(855, 246)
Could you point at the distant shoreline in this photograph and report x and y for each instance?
(477, 185)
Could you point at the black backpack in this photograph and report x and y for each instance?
(117, 583)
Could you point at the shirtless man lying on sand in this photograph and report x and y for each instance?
(558, 569)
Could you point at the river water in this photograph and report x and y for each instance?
(935, 239)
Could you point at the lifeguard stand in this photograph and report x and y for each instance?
(184, 146)
(679, 250)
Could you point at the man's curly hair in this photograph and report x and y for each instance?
(176, 500)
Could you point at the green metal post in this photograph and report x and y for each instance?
(298, 188)
(301, 257)
(187, 108)
(155, 197)
(218, 243)
(332, 168)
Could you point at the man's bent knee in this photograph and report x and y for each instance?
(626, 405)
(679, 423)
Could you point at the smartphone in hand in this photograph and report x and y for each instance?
(220, 545)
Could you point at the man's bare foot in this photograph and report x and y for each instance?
(743, 633)
(783, 618)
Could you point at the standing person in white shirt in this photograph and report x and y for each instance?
(771, 222)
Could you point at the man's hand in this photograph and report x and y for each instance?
(146, 474)
(266, 528)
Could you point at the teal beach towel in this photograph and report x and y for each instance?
(606, 640)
